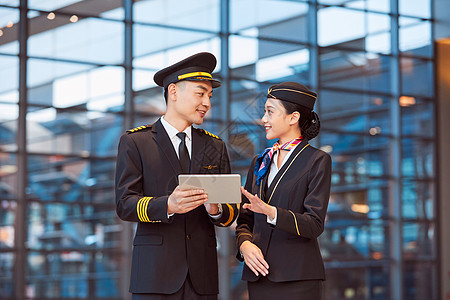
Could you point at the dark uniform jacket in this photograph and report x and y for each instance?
(300, 192)
(166, 249)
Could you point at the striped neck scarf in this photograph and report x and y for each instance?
(265, 158)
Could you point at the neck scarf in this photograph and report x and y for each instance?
(265, 158)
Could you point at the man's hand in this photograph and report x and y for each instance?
(183, 201)
(257, 205)
(254, 258)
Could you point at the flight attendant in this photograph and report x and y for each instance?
(285, 201)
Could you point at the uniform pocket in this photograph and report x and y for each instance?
(151, 239)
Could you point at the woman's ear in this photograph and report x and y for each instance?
(295, 117)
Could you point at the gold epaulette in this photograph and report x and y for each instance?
(210, 134)
(138, 128)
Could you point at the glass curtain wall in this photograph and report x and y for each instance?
(370, 61)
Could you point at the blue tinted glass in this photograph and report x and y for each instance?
(9, 28)
(194, 14)
(417, 199)
(90, 39)
(6, 283)
(416, 8)
(418, 158)
(417, 77)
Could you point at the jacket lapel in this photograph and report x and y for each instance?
(164, 142)
(198, 149)
(286, 165)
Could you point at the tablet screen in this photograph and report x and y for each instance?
(221, 188)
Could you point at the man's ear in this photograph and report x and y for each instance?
(294, 118)
(172, 92)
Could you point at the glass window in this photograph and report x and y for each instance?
(73, 131)
(417, 199)
(418, 240)
(107, 285)
(6, 274)
(71, 180)
(287, 20)
(415, 37)
(156, 47)
(336, 103)
(58, 274)
(65, 9)
(351, 236)
(56, 226)
(9, 29)
(353, 70)
(52, 5)
(268, 61)
(418, 158)
(356, 158)
(355, 29)
(10, 2)
(7, 221)
(417, 117)
(351, 112)
(195, 14)
(8, 186)
(87, 39)
(357, 282)
(242, 62)
(8, 126)
(64, 85)
(143, 79)
(9, 82)
(419, 280)
(263, 14)
(416, 8)
(417, 77)
(370, 5)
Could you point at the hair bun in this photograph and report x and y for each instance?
(313, 129)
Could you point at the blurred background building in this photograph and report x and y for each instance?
(74, 75)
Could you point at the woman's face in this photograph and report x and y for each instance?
(277, 122)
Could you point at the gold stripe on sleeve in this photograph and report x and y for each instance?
(138, 209)
(245, 233)
(295, 220)
(230, 218)
(142, 206)
(145, 206)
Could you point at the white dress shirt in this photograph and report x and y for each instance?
(172, 133)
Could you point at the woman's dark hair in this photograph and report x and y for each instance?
(308, 123)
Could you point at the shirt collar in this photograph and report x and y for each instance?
(172, 131)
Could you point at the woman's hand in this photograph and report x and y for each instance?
(212, 209)
(257, 205)
(254, 258)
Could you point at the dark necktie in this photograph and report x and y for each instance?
(183, 153)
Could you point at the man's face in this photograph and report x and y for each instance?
(192, 100)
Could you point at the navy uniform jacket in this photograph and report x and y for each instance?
(300, 191)
(165, 249)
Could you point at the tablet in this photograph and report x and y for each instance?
(221, 188)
